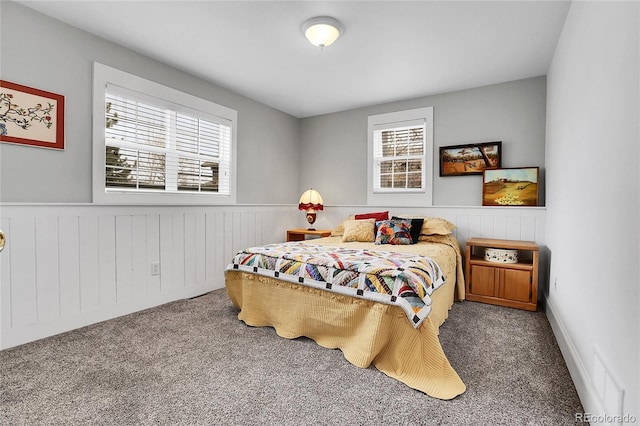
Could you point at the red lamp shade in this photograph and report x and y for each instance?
(310, 202)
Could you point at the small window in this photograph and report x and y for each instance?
(400, 158)
(157, 142)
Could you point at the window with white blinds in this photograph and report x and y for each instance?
(401, 158)
(151, 147)
(155, 143)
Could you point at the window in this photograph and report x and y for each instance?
(400, 158)
(154, 144)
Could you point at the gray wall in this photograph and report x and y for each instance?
(333, 155)
(40, 52)
(593, 192)
(327, 152)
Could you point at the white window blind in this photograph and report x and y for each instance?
(399, 156)
(155, 145)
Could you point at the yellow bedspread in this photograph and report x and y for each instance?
(366, 332)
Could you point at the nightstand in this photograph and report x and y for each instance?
(300, 234)
(507, 284)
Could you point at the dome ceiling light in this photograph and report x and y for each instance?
(322, 31)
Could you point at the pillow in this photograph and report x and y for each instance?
(339, 230)
(376, 215)
(416, 226)
(359, 230)
(436, 226)
(396, 232)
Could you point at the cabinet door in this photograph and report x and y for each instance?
(516, 285)
(483, 280)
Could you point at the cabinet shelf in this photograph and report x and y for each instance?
(525, 265)
(507, 284)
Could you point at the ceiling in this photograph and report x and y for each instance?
(390, 50)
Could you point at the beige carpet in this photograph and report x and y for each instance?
(193, 362)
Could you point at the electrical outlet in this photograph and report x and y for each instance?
(155, 268)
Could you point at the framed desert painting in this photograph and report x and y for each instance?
(31, 116)
(470, 159)
(510, 186)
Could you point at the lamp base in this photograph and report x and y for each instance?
(311, 218)
(311, 229)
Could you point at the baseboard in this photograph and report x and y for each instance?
(579, 373)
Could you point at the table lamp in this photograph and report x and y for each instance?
(310, 202)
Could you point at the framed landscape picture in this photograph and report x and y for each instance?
(31, 116)
(470, 159)
(510, 186)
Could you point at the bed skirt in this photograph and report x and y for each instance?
(367, 333)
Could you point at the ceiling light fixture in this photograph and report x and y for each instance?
(322, 30)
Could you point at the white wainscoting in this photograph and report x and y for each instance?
(67, 266)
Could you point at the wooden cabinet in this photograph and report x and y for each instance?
(300, 234)
(507, 284)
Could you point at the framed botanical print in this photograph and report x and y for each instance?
(31, 116)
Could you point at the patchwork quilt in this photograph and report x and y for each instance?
(403, 279)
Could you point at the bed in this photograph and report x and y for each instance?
(341, 292)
